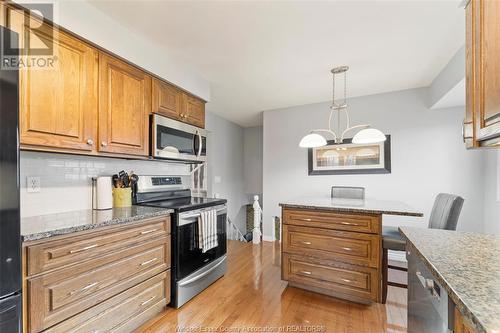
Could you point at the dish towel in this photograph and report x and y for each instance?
(207, 230)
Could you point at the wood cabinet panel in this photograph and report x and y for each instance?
(124, 106)
(345, 280)
(462, 325)
(468, 126)
(350, 247)
(55, 297)
(129, 309)
(47, 256)
(58, 102)
(193, 111)
(331, 220)
(166, 100)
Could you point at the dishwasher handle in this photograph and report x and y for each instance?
(428, 284)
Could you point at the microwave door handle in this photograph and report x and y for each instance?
(200, 144)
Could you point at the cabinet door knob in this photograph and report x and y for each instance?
(104, 144)
(90, 142)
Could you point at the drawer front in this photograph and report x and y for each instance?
(349, 247)
(56, 296)
(336, 221)
(129, 309)
(344, 279)
(58, 253)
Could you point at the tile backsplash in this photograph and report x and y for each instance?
(65, 180)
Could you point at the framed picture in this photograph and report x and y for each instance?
(350, 158)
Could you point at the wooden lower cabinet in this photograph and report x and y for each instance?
(462, 325)
(114, 291)
(333, 253)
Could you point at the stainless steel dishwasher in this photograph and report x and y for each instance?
(429, 309)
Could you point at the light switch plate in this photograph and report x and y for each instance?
(33, 184)
(217, 179)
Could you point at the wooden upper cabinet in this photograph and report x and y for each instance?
(166, 100)
(484, 92)
(58, 103)
(193, 111)
(468, 126)
(124, 106)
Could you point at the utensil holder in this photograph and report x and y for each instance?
(122, 197)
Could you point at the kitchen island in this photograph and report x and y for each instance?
(467, 266)
(334, 246)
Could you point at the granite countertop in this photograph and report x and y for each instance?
(468, 266)
(352, 205)
(45, 226)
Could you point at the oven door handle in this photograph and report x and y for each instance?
(219, 211)
(202, 275)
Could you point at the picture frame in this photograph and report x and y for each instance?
(350, 158)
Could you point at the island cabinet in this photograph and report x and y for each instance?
(124, 104)
(58, 101)
(332, 253)
(482, 120)
(462, 325)
(173, 103)
(111, 279)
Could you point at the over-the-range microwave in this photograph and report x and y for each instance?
(174, 140)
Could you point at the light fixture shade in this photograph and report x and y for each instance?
(369, 135)
(312, 140)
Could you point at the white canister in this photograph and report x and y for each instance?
(102, 193)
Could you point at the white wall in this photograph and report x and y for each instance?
(90, 23)
(252, 161)
(491, 181)
(428, 157)
(225, 165)
(66, 179)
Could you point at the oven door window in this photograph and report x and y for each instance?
(190, 255)
(170, 137)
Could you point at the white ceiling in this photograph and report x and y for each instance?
(261, 55)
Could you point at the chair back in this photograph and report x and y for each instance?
(446, 211)
(348, 192)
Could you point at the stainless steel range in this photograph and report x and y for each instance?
(192, 270)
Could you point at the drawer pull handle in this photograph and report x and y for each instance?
(304, 219)
(305, 272)
(83, 289)
(306, 243)
(346, 249)
(149, 261)
(348, 223)
(84, 248)
(145, 232)
(149, 300)
(346, 280)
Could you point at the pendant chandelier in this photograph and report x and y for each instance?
(365, 135)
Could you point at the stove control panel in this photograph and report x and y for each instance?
(158, 181)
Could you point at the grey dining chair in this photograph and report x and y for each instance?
(444, 215)
(348, 192)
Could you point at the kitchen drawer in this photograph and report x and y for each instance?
(52, 254)
(56, 296)
(330, 220)
(349, 247)
(123, 313)
(333, 278)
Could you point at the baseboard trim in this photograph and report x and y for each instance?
(267, 238)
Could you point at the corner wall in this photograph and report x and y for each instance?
(428, 157)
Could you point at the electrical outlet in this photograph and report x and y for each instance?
(33, 184)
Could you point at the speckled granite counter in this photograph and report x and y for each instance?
(44, 226)
(368, 206)
(468, 267)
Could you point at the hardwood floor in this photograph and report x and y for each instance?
(252, 295)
